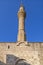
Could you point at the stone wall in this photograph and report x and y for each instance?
(31, 52)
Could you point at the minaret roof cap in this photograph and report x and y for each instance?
(22, 7)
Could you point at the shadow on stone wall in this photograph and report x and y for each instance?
(1, 63)
(13, 60)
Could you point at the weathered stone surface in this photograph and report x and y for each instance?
(32, 53)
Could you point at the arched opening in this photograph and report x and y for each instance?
(21, 62)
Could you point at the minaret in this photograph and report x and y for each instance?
(21, 26)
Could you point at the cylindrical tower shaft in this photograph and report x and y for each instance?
(21, 26)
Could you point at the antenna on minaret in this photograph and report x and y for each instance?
(21, 3)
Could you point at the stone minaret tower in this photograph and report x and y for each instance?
(21, 25)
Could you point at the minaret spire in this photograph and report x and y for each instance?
(21, 26)
(21, 3)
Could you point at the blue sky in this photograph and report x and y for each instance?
(9, 20)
